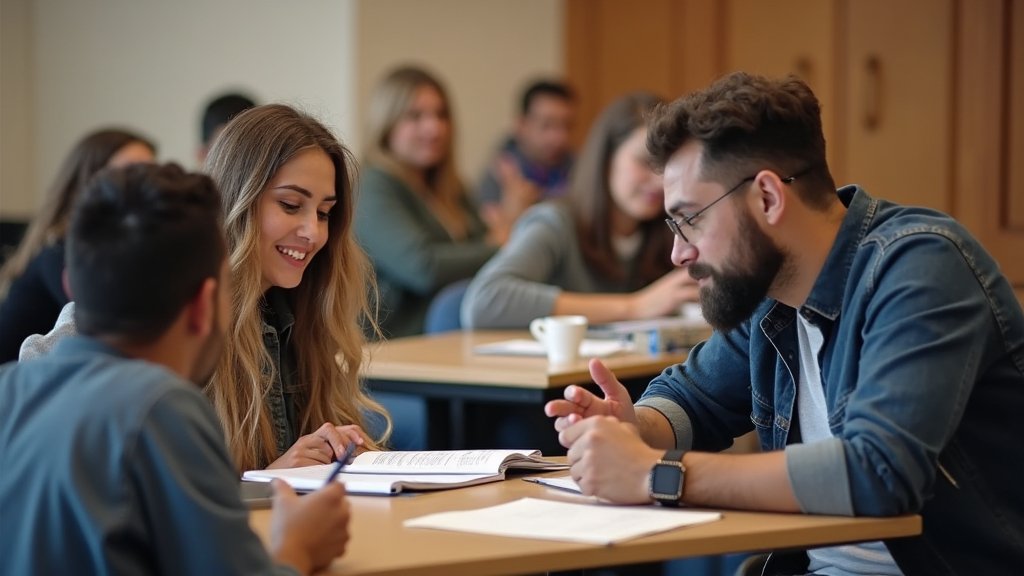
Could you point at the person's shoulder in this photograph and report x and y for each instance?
(374, 178)
(115, 391)
(108, 375)
(550, 213)
(51, 253)
(895, 220)
(47, 262)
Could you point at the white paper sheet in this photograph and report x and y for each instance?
(553, 520)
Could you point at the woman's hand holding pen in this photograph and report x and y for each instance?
(323, 446)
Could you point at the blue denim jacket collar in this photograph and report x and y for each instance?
(826, 297)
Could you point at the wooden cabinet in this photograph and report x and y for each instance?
(897, 99)
(989, 132)
(922, 100)
(614, 47)
(788, 37)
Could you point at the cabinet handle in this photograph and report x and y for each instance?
(872, 93)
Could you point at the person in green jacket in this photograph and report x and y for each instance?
(414, 217)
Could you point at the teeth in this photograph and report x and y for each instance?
(292, 253)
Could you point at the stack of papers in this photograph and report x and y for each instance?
(553, 520)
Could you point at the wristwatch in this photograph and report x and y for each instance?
(667, 478)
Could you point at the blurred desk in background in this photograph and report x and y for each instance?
(443, 369)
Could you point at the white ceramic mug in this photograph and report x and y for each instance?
(691, 311)
(561, 336)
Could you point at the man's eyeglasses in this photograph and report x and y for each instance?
(687, 221)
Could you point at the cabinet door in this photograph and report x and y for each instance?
(989, 163)
(897, 117)
(668, 47)
(788, 37)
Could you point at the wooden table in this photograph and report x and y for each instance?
(380, 546)
(443, 369)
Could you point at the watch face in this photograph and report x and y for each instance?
(667, 481)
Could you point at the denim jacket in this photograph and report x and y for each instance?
(285, 391)
(923, 370)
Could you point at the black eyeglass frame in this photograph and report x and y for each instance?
(677, 229)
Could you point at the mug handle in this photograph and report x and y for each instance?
(537, 329)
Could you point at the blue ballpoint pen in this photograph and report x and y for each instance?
(349, 450)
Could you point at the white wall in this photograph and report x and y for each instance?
(484, 51)
(16, 134)
(70, 66)
(152, 66)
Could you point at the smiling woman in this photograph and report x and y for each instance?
(298, 294)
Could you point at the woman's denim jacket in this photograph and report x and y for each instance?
(923, 370)
(285, 391)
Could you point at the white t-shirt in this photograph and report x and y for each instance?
(812, 413)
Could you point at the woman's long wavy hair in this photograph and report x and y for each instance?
(590, 197)
(390, 100)
(328, 304)
(88, 157)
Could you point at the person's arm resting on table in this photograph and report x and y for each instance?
(612, 430)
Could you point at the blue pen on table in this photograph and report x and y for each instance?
(349, 450)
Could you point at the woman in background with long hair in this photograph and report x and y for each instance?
(416, 221)
(603, 252)
(31, 286)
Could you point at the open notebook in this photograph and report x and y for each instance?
(394, 472)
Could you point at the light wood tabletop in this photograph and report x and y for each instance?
(448, 358)
(381, 546)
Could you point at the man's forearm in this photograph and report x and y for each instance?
(743, 481)
(655, 428)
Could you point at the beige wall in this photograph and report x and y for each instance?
(152, 65)
(16, 135)
(69, 67)
(483, 51)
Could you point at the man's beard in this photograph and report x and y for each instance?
(734, 294)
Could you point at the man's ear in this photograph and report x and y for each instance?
(772, 200)
(65, 282)
(202, 308)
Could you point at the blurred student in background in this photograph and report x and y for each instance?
(415, 219)
(31, 289)
(140, 480)
(216, 115)
(532, 163)
(287, 388)
(602, 252)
